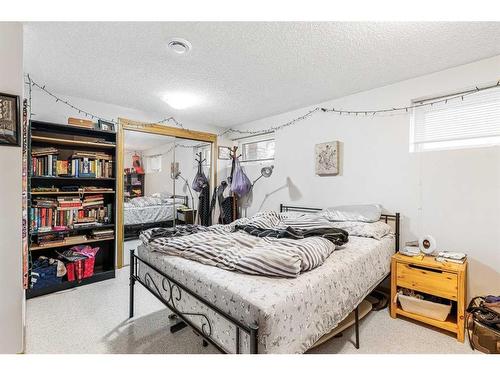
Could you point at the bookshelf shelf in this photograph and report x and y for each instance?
(34, 248)
(72, 192)
(72, 178)
(75, 230)
(99, 275)
(65, 128)
(70, 142)
(67, 141)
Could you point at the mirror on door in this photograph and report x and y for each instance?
(147, 185)
(167, 181)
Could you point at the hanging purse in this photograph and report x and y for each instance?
(240, 183)
(483, 327)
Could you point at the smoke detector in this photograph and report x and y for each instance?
(179, 46)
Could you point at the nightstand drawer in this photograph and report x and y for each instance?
(423, 279)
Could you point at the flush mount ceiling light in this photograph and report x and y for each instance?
(179, 45)
(181, 100)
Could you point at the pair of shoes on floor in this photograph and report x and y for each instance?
(378, 299)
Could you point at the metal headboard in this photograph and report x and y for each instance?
(384, 217)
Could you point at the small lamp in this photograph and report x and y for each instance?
(264, 172)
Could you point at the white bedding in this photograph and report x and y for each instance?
(291, 314)
(162, 210)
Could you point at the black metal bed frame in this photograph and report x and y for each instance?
(173, 292)
(384, 217)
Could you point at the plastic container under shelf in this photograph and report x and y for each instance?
(422, 307)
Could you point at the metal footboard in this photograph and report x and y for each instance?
(170, 292)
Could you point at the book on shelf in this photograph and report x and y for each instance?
(68, 211)
(59, 239)
(103, 233)
(41, 189)
(45, 162)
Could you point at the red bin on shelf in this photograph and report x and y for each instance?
(81, 269)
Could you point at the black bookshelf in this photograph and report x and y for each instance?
(132, 183)
(68, 139)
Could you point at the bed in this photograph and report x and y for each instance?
(242, 313)
(142, 213)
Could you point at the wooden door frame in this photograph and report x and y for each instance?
(126, 124)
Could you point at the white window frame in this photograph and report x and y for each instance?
(256, 139)
(149, 162)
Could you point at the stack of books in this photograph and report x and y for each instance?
(49, 214)
(91, 164)
(103, 234)
(44, 162)
(42, 214)
(51, 239)
(69, 203)
(451, 256)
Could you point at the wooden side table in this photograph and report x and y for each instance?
(446, 280)
(186, 216)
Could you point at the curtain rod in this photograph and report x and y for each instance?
(252, 136)
(457, 93)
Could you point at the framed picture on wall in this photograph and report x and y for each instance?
(105, 125)
(223, 153)
(10, 121)
(327, 158)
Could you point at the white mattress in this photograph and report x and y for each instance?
(291, 314)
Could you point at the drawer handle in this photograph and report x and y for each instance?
(424, 268)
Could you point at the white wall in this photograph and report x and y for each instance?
(45, 108)
(160, 182)
(11, 292)
(453, 195)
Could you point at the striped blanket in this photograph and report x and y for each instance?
(236, 250)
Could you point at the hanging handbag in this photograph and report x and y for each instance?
(240, 183)
(483, 327)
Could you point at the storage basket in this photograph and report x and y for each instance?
(80, 269)
(422, 307)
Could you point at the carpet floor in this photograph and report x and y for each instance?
(94, 319)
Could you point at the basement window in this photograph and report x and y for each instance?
(473, 121)
(257, 149)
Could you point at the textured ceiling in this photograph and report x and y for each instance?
(244, 71)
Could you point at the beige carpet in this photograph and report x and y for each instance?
(93, 319)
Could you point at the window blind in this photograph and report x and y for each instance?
(153, 164)
(258, 150)
(471, 122)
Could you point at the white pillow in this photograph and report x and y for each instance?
(367, 213)
(145, 201)
(375, 230)
(164, 195)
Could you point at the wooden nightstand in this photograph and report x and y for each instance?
(186, 216)
(446, 280)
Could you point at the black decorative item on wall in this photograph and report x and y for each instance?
(10, 120)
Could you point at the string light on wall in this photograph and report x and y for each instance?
(88, 114)
(373, 112)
